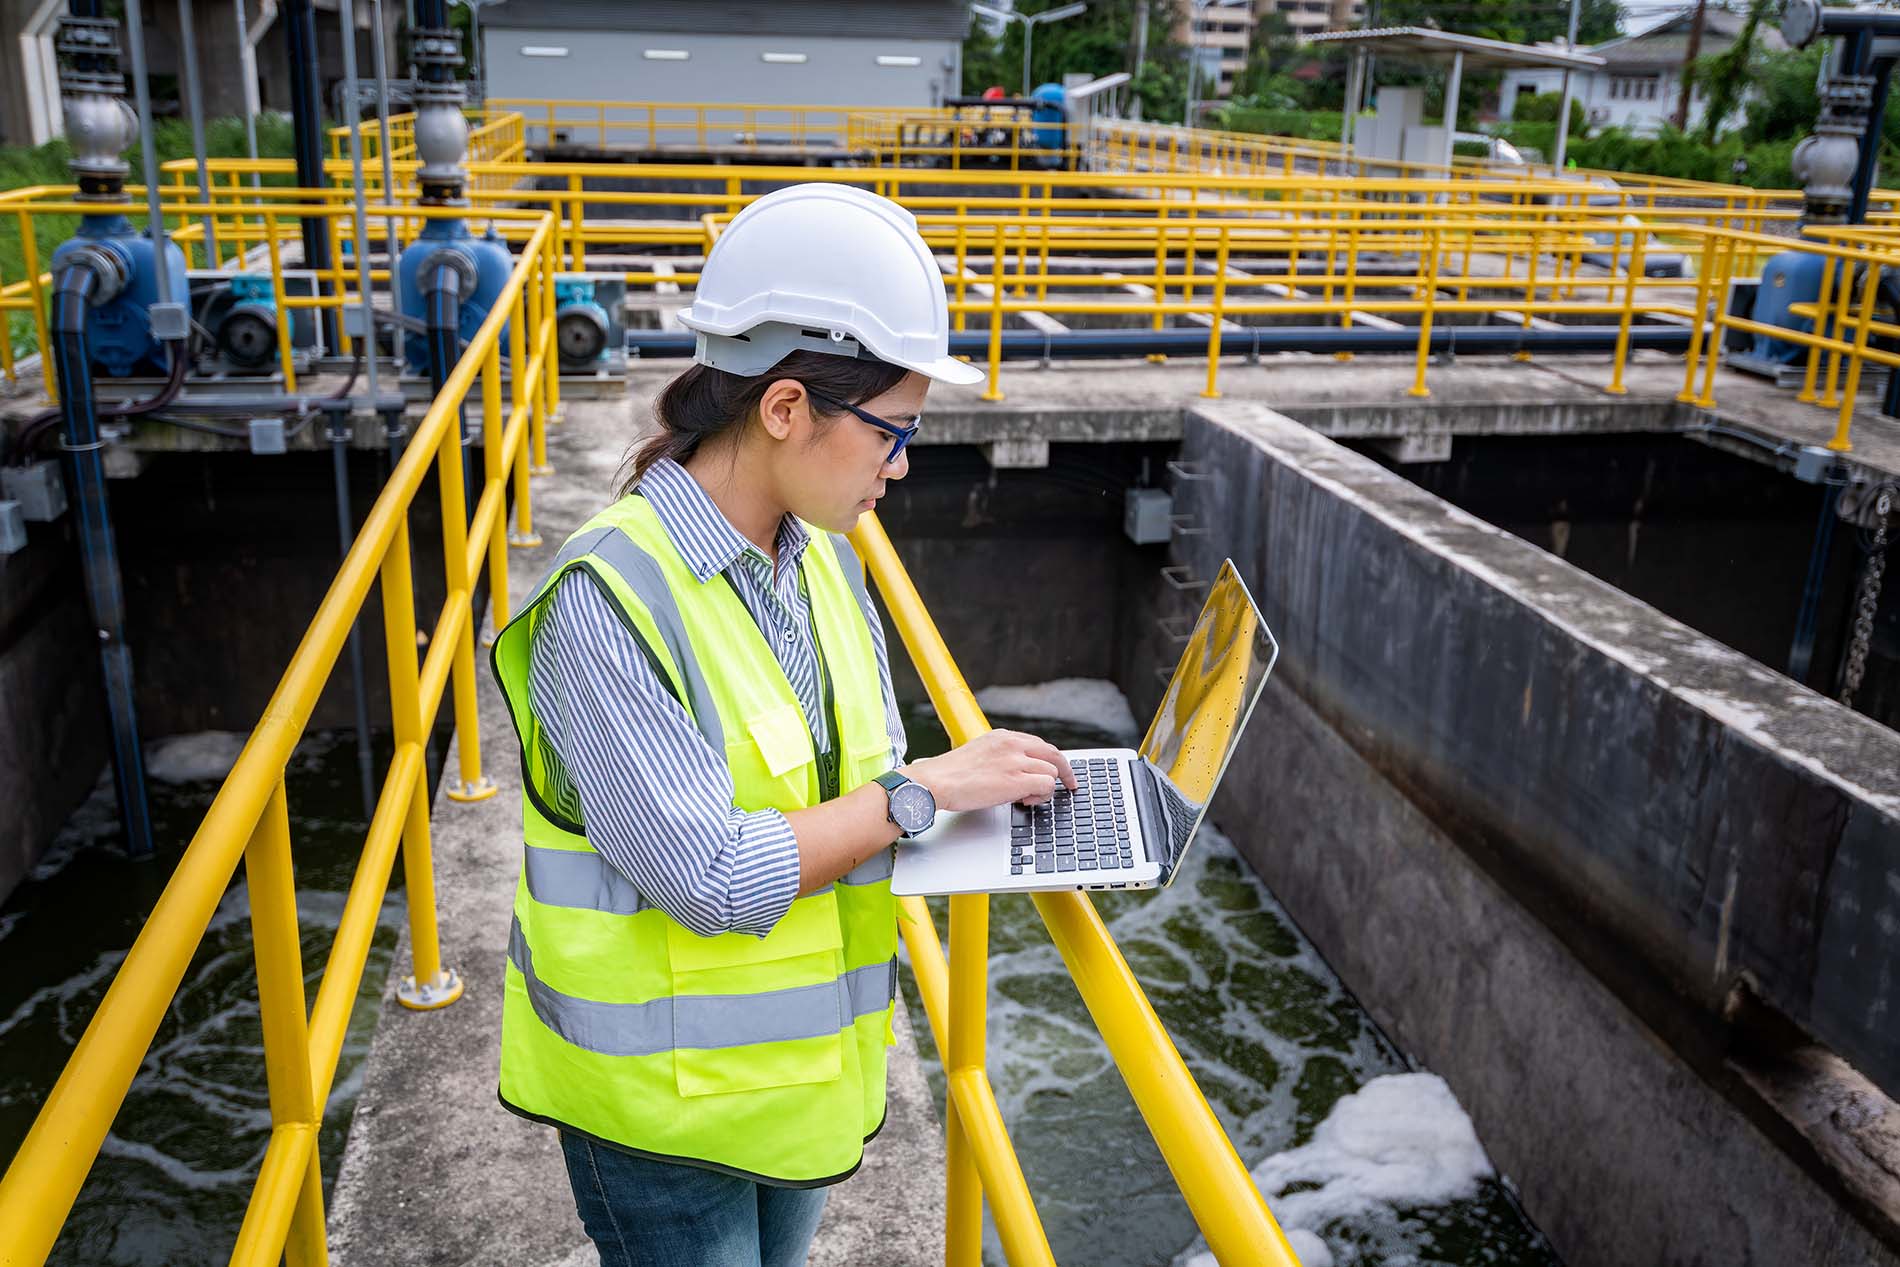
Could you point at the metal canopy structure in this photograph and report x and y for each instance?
(1423, 44)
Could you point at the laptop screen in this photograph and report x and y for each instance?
(1215, 685)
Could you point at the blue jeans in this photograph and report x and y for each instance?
(643, 1213)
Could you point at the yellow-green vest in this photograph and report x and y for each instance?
(762, 1057)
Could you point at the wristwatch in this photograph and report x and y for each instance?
(912, 807)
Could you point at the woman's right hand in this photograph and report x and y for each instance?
(994, 769)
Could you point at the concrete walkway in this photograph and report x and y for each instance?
(436, 1172)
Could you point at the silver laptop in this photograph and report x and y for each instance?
(1134, 812)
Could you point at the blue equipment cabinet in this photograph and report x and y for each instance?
(119, 331)
(1051, 108)
(493, 263)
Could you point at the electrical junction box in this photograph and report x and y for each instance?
(267, 435)
(1145, 515)
(1812, 463)
(12, 528)
(37, 488)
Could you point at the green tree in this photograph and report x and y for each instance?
(1098, 41)
(1727, 73)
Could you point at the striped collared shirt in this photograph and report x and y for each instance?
(657, 799)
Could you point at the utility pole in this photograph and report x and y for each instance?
(1141, 49)
(1563, 106)
(1688, 65)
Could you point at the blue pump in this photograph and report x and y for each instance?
(492, 263)
(1051, 108)
(119, 331)
(1790, 278)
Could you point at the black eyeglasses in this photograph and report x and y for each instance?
(904, 435)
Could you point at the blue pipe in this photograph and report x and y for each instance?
(104, 590)
(1022, 345)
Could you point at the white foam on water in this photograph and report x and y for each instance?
(182, 1173)
(204, 757)
(1080, 701)
(1401, 1140)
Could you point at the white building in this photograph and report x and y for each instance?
(811, 52)
(1640, 84)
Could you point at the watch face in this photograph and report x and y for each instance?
(912, 807)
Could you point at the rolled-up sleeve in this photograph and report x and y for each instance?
(657, 799)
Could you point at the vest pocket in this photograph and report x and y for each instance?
(752, 1013)
(773, 754)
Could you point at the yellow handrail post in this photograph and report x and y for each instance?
(278, 297)
(1352, 279)
(1632, 277)
(273, 1228)
(1821, 301)
(30, 257)
(1418, 387)
(551, 368)
(1160, 295)
(431, 986)
(524, 535)
(495, 485)
(1831, 377)
(1705, 274)
(576, 225)
(1212, 392)
(458, 585)
(969, 983)
(1530, 287)
(993, 391)
(962, 318)
(1712, 354)
(1863, 322)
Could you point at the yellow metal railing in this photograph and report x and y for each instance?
(982, 1165)
(249, 819)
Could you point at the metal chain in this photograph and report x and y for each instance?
(1867, 600)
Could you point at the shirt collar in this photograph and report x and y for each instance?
(706, 539)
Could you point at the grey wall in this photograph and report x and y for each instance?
(1544, 831)
(611, 66)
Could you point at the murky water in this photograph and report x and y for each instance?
(1274, 1041)
(173, 1179)
(1271, 1036)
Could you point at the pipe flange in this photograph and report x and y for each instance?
(455, 260)
(436, 47)
(105, 264)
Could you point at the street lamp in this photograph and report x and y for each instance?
(1030, 21)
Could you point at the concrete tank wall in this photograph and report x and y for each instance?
(1546, 833)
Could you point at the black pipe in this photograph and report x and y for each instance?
(306, 119)
(1808, 616)
(1870, 143)
(338, 416)
(72, 363)
(442, 291)
(1026, 345)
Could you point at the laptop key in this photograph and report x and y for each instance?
(1064, 863)
(1044, 864)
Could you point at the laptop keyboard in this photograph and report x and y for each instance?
(1083, 830)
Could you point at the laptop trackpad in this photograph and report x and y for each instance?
(971, 826)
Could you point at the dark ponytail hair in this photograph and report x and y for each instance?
(704, 404)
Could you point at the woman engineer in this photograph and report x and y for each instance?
(702, 961)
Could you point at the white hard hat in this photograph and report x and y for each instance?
(824, 268)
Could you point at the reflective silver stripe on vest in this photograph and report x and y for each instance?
(643, 576)
(580, 879)
(704, 1021)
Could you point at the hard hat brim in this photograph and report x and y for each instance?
(948, 369)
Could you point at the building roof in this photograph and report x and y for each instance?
(1425, 44)
(879, 19)
(1666, 41)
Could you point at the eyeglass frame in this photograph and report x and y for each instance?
(904, 434)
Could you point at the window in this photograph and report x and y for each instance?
(783, 59)
(543, 50)
(1633, 87)
(889, 59)
(666, 54)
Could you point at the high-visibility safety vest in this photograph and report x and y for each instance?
(762, 1057)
